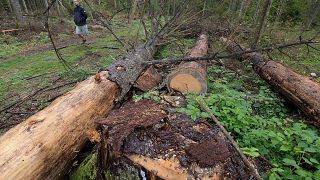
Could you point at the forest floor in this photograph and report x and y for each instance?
(238, 97)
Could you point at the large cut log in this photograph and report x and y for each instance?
(44, 146)
(191, 77)
(298, 89)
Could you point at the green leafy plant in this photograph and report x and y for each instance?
(261, 124)
(152, 95)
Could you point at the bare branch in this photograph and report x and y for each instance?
(216, 56)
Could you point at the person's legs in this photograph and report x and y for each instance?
(81, 31)
(82, 37)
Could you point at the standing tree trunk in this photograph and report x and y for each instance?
(281, 6)
(256, 13)
(9, 6)
(25, 6)
(45, 4)
(17, 10)
(58, 8)
(262, 24)
(314, 11)
(243, 8)
(133, 11)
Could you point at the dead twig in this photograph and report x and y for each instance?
(21, 100)
(36, 76)
(234, 144)
(18, 113)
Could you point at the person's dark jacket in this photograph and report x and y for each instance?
(80, 16)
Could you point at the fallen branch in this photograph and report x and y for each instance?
(234, 144)
(39, 91)
(39, 75)
(18, 113)
(21, 100)
(10, 30)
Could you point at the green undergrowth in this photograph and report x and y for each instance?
(87, 170)
(261, 123)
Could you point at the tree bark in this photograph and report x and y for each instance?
(17, 10)
(190, 77)
(45, 4)
(263, 23)
(43, 146)
(148, 80)
(298, 89)
(25, 6)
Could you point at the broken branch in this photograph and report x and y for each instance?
(234, 144)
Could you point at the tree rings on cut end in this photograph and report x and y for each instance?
(187, 81)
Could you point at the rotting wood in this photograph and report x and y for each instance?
(191, 77)
(170, 145)
(300, 90)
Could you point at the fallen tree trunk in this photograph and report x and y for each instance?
(191, 77)
(298, 89)
(44, 146)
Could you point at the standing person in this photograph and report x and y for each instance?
(80, 19)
